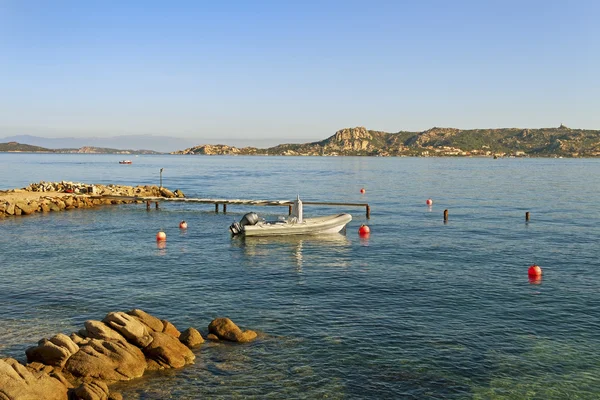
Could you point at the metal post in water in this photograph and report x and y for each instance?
(445, 215)
(161, 170)
(527, 216)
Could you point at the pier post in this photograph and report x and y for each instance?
(445, 215)
(527, 216)
(290, 209)
(368, 212)
(224, 208)
(156, 204)
(148, 205)
(217, 208)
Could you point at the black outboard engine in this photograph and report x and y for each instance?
(250, 218)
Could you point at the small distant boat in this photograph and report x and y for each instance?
(250, 225)
(125, 162)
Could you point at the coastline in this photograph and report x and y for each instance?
(44, 197)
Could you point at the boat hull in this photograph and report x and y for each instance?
(309, 226)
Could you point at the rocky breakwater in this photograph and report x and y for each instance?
(121, 347)
(58, 196)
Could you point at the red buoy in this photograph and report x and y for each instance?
(183, 225)
(429, 202)
(363, 190)
(364, 230)
(160, 236)
(534, 271)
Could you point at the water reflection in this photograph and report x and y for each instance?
(300, 247)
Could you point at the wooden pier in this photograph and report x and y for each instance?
(225, 202)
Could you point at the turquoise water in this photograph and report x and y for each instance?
(420, 309)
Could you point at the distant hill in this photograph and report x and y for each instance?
(18, 147)
(15, 147)
(543, 142)
(163, 144)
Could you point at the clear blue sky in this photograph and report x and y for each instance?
(295, 70)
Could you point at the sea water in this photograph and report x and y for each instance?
(419, 309)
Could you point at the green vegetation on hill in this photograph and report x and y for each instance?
(544, 142)
(18, 147)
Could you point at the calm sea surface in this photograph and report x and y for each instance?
(420, 309)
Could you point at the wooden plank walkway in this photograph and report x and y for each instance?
(225, 202)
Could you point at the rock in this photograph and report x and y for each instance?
(224, 328)
(64, 341)
(166, 192)
(76, 338)
(99, 330)
(10, 209)
(170, 329)
(115, 396)
(20, 383)
(150, 321)
(107, 360)
(130, 327)
(26, 208)
(168, 352)
(96, 390)
(179, 193)
(212, 336)
(49, 353)
(191, 338)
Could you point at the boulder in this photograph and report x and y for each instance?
(107, 360)
(170, 329)
(27, 208)
(166, 192)
(64, 341)
(99, 330)
(10, 209)
(150, 321)
(224, 328)
(191, 338)
(95, 390)
(168, 352)
(20, 383)
(48, 352)
(77, 338)
(130, 327)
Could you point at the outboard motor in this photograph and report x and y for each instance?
(250, 218)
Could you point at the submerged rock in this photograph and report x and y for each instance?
(224, 328)
(191, 338)
(165, 351)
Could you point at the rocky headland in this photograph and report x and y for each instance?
(58, 196)
(120, 347)
(434, 142)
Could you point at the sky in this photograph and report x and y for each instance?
(295, 71)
